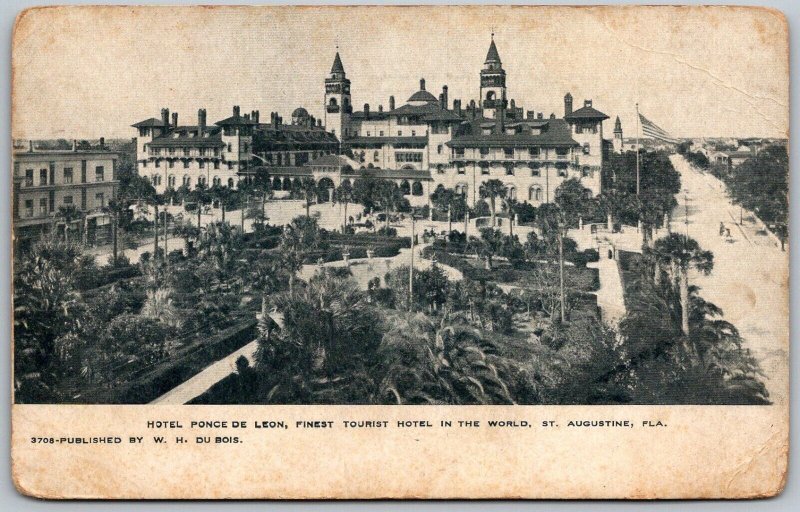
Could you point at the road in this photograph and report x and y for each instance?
(750, 280)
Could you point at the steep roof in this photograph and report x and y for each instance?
(492, 55)
(586, 112)
(554, 132)
(235, 120)
(337, 65)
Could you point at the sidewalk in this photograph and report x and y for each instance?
(610, 297)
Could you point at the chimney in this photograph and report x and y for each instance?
(74, 145)
(442, 103)
(391, 102)
(366, 110)
(552, 115)
(258, 116)
(530, 115)
(201, 119)
(587, 103)
(446, 99)
(247, 117)
(165, 117)
(279, 118)
(174, 119)
(236, 111)
(472, 109)
(380, 108)
(30, 145)
(513, 104)
(421, 84)
(567, 104)
(319, 123)
(540, 115)
(102, 143)
(457, 106)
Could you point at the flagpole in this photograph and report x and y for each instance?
(637, 149)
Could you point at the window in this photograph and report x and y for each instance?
(100, 200)
(67, 175)
(534, 152)
(562, 153)
(230, 166)
(368, 133)
(536, 172)
(461, 170)
(216, 164)
(171, 151)
(586, 171)
(413, 133)
(158, 163)
(485, 170)
(381, 133)
(399, 133)
(484, 152)
(29, 207)
(562, 173)
(508, 152)
(586, 149)
(509, 170)
(43, 206)
(187, 180)
(186, 164)
(144, 163)
(42, 177)
(376, 156)
(535, 194)
(216, 151)
(216, 181)
(99, 173)
(440, 148)
(171, 164)
(171, 181)
(229, 148)
(408, 156)
(67, 200)
(185, 151)
(459, 152)
(201, 164)
(29, 178)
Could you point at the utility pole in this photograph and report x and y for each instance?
(449, 219)
(166, 235)
(466, 224)
(686, 210)
(637, 149)
(561, 273)
(411, 268)
(155, 231)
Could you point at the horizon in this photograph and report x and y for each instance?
(688, 79)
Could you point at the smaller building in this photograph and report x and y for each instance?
(47, 181)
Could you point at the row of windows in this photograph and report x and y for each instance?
(187, 181)
(408, 157)
(46, 177)
(510, 170)
(534, 152)
(188, 151)
(99, 201)
(200, 163)
(399, 133)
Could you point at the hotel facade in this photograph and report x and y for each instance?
(426, 143)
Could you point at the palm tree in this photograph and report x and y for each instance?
(683, 253)
(308, 187)
(491, 190)
(344, 194)
(301, 235)
(200, 196)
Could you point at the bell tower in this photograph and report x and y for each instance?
(338, 107)
(493, 84)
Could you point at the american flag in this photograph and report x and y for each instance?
(651, 129)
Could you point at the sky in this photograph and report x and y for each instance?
(86, 72)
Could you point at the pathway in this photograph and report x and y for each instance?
(610, 296)
(750, 280)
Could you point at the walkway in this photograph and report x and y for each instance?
(750, 280)
(610, 297)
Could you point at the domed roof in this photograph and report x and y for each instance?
(300, 112)
(423, 96)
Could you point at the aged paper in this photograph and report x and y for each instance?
(467, 252)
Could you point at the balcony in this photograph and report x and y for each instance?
(333, 109)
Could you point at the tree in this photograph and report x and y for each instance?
(365, 191)
(389, 197)
(221, 195)
(491, 190)
(448, 200)
(201, 197)
(68, 214)
(683, 253)
(573, 200)
(488, 245)
(344, 194)
(262, 184)
(308, 188)
(301, 235)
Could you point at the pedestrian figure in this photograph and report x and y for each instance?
(721, 228)
(728, 232)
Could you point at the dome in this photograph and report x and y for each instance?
(300, 112)
(423, 96)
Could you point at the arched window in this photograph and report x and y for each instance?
(158, 180)
(509, 169)
(535, 193)
(490, 95)
(187, 180)
(333, 102)
(171, 181)
(405, 188)
(512, 192)
(276, 183)
(216, 181)
(586, 171)
(586, 148)
(416, 188)
(201, 181)
(287, 183)
(376, 156)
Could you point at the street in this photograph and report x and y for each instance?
(750, 280)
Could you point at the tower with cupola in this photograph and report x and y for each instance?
(338, 107)
(493, 84)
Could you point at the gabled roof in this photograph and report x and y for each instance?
(586, 113)
(555, 132)
(492, 55)
(431, 111)
(235, 120)
(189, 137)
(147, 123)
(337, 65)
